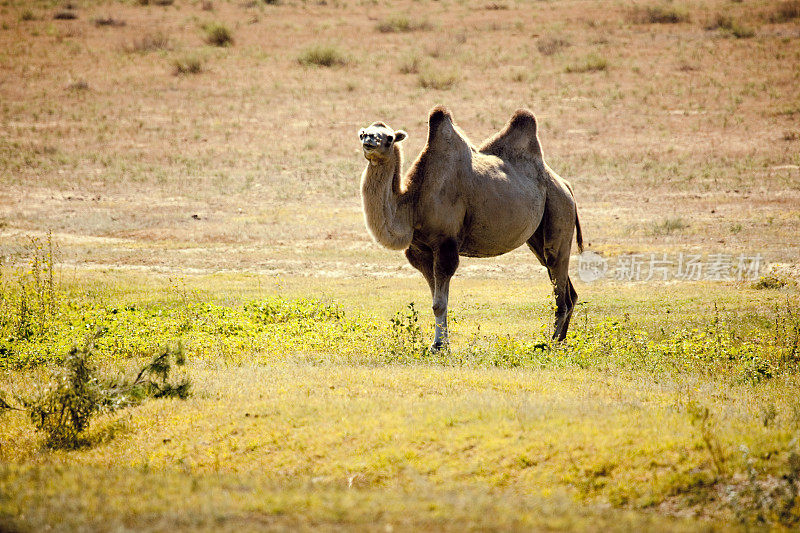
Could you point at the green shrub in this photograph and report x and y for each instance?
(63, 408)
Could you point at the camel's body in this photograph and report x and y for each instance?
(459, 200)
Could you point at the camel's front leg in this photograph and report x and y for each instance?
(445, 263)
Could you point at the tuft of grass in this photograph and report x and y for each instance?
(667, 226)
(187, 65)
(728, 24)
(438, 79)
(785, 11)
(26, 15)
(591, 63)
(65, 14)
(218, 34)
(774, 280)
(402, 24)
(155, 2)
(149, 42)
(411, 64)
(658, 14)
(548, 46)
(518, 75)
(78, 85)
(323, 55)
(109, 21)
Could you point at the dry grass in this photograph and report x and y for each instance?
(437, 79)
(548, 46)
(785, 11)
(402, 24)
(187, 65)
(659, 14)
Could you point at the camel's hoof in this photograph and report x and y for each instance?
(438, 347)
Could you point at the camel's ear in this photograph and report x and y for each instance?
(361, 133)
(399, 135)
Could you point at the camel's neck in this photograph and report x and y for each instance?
(388, 217)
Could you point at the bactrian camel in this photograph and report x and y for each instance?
(477, 202)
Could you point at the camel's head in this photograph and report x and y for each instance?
(377, 140)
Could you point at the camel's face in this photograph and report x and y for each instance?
(377, 140)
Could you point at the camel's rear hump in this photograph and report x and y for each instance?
(518, 139)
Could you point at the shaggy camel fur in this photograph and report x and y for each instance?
(459, 200)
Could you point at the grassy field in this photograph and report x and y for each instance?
(184, 174)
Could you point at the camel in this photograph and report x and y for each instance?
(456, 200)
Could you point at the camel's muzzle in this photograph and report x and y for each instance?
(370, 143)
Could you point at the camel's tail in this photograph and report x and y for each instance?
(578, 233)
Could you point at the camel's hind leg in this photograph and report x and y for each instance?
(553, 253)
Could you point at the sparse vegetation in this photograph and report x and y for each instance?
(323, 55)
(218, 34)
